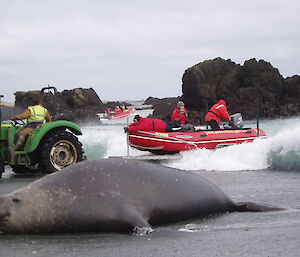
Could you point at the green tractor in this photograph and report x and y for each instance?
(50, 148)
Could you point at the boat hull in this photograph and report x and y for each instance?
(173, 142)
(109, 119)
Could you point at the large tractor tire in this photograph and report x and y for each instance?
(59, 150)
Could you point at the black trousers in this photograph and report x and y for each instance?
(214, 125)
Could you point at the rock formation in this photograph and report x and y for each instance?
(74, 105)
(240, 85)
(202, 86)
(8, 111)
(163, 108)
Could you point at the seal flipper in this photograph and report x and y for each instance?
(254, 207)
(134, 218)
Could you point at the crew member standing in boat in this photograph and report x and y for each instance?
(217, 113)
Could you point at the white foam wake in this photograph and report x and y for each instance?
(105, 141)
(281, 151)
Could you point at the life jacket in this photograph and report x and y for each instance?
(218, 112)
(177, 114)
(147, 124)
(37, 113)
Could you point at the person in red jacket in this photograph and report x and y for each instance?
(146, 124)
(118, 110)
(217, 113)
(180, 113)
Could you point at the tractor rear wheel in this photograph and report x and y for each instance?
(59, 150)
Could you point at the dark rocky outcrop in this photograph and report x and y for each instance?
(202, 86)
(154, 101)
(80, 104)
(240, 85)
(292, 89)
(163, 108)
(291, 100)
(211, 80)
(7, 111)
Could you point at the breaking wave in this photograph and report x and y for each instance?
(280, 152)
(285, 150)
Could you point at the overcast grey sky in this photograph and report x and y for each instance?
(132, 49)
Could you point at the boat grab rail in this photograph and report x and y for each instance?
(172, 138)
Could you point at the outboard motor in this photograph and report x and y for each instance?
(236, 121)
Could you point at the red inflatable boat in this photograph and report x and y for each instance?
(121, 115)
(173, 142)
(105, 117)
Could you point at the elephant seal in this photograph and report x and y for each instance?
(112, 195)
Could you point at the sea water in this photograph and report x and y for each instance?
(280, 150)
(265, 171)
(101, 141)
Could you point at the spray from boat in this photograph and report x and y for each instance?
(280, 151)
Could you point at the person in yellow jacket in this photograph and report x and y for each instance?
(35, 115)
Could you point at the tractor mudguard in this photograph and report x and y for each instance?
(38, 134)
